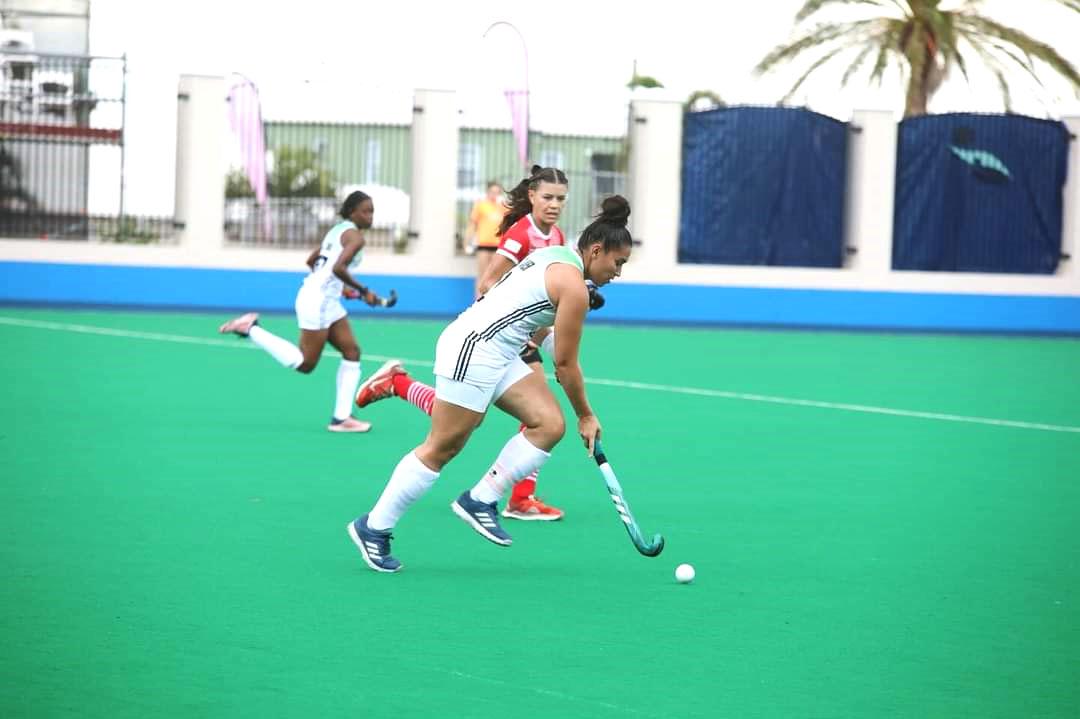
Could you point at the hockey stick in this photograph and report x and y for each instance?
(390, 301)
(650, 548)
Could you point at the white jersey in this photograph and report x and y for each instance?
(322, 279)
(496, 327)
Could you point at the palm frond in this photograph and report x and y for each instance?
(995, 67)
(974, 25)
(857, 63)
(880, 63)
(1026, 63)
(809, 71)
(812, 6)
(851, 32)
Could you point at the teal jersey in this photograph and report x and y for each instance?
(323, 277)
(518, 304)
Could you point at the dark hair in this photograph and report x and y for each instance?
(350, 203)
(517, 200)
(609, 227)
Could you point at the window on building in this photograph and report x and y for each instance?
(604, 177)
(469, 165)
(553, 158)
(373, 162)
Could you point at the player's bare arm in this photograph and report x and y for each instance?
(539, 336)
(567, 290)
(498, 267)
(352, 241)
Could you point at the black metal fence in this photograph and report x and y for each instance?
(62, 140)
(591, 164)
(311, 167)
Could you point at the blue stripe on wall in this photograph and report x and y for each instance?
(178, 287)
(187, 287)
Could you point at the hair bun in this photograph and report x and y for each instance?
(535, 170)
(615, 210)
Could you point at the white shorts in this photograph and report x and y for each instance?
(480, 381)
(316, 311)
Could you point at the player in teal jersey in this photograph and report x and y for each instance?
(477, 363)
(320, 314)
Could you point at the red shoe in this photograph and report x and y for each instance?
(349, 424)
(379, 385)
(241, 325)
(531, 509)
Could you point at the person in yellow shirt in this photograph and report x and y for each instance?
(481, 233)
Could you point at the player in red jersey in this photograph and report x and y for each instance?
(534, 206)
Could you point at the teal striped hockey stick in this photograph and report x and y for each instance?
(649, 549)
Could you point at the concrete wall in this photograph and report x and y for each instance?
(432, 280)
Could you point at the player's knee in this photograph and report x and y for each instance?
(307, 366)
(553, 426)
(438, 454)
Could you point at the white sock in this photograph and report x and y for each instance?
(407, 484)
(518, 458)
(348, 376)
(283, 351)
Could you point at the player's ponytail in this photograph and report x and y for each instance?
(517, 200)
(609, 227)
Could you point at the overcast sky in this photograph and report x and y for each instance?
(347, 59)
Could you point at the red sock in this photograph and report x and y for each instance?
(416, 393)
(526, 487)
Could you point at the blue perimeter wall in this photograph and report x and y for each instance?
(211, 289)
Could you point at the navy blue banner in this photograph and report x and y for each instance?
(763, 186)
(979, 193)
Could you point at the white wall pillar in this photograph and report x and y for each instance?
(201, 161)
(433, 203)
(655, 184)
(1070, 237)
(871, 192)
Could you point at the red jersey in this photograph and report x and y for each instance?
(524, 236)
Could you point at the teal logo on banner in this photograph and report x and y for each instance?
(985, 165)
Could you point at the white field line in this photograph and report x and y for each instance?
(233, 343)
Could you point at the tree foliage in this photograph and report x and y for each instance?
(923, 40)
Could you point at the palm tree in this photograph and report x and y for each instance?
(925, 41)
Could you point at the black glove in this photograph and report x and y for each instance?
(596, 300)
(531, 354)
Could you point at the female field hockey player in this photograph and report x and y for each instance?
(320, 314)
(533, 208)
(478, 363)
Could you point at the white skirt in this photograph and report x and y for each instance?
(316, 311)
(472, 374)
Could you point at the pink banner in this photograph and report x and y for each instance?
(245, 118)
(519, 121)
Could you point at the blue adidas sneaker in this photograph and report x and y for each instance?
(374, 545)
(484, 518)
